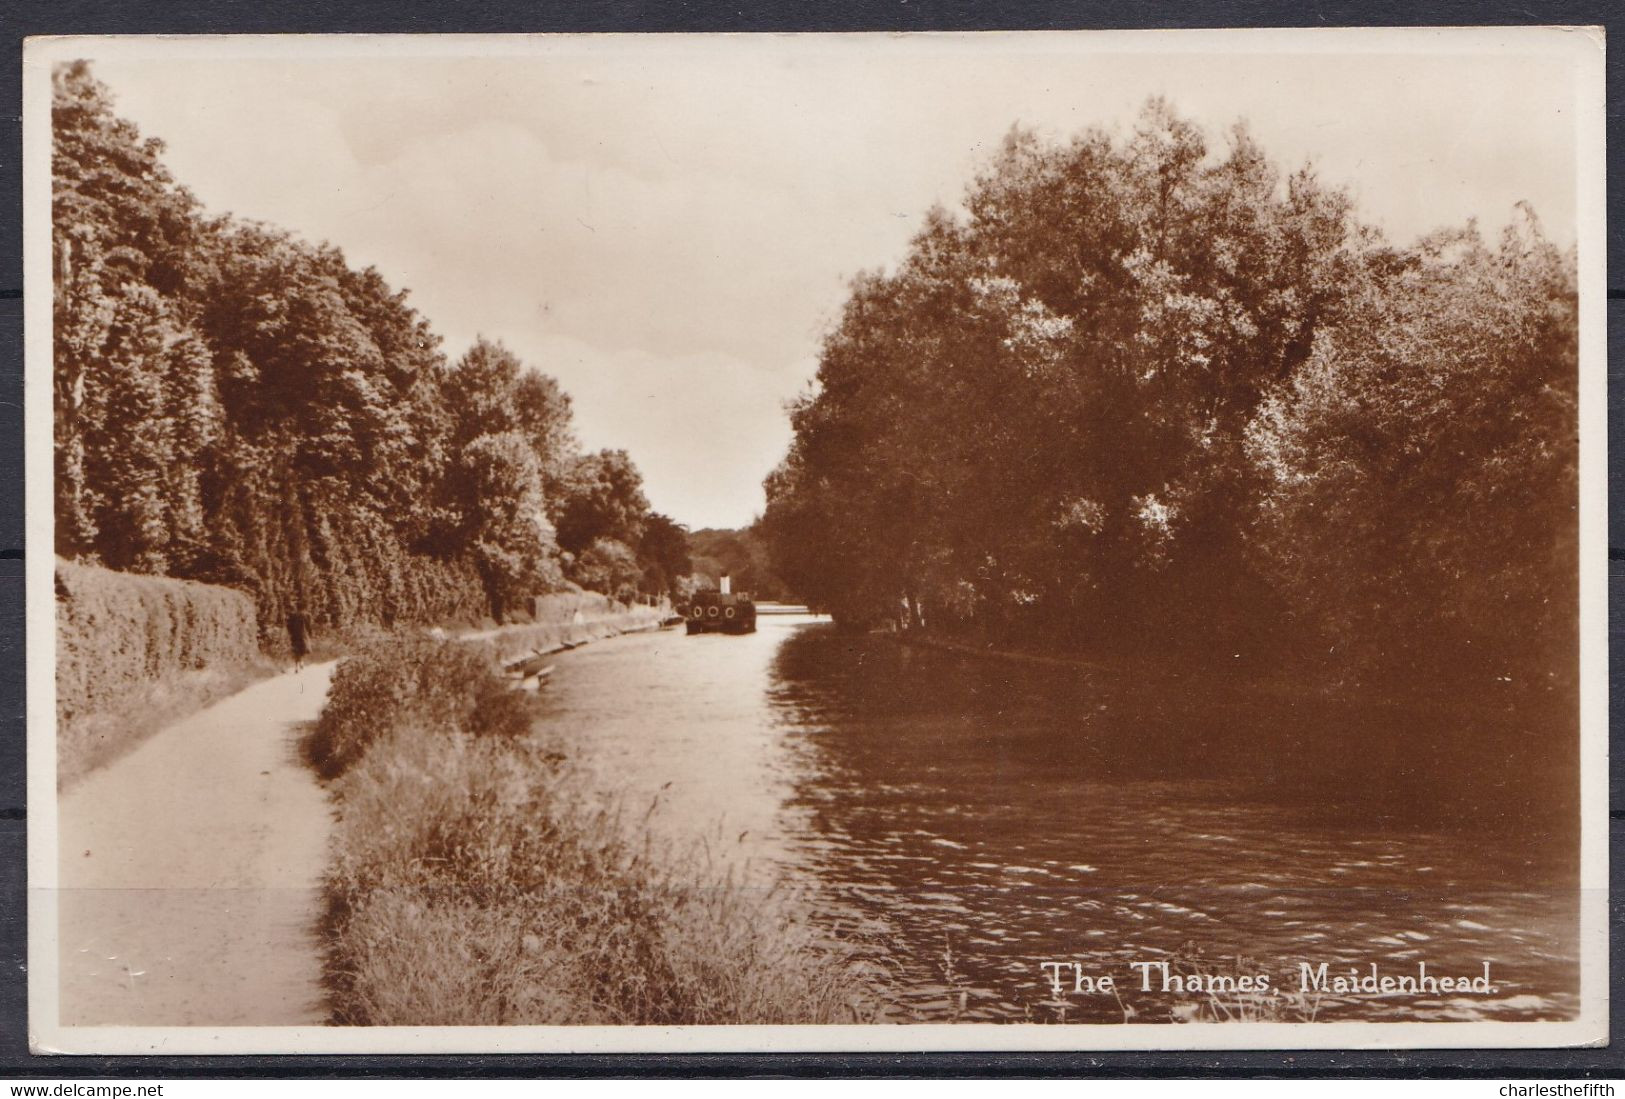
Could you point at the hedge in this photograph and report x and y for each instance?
(117, 631)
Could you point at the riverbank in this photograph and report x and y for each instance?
(137, 654)
(1235, 676)
(475, 881)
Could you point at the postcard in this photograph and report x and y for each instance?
(823, 542)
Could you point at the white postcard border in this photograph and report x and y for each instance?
(1584, 46)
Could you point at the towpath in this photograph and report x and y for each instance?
(191, 871)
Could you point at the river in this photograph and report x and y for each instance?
(971, 818)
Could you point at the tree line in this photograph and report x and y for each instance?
(235, 405)
(1149, 392)
(740, 554)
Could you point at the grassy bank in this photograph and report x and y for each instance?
(473, 883)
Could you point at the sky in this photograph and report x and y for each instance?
(668, 225)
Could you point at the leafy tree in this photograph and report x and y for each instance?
(511, 538)
(1150, 392)
(129, 439)
(237, 405)
(603, 498)
(121, 227)
(609, 566)
(664, 553)
(1425, 457)
(491, 391)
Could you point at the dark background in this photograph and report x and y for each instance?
(21, 18)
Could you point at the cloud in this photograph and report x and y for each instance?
(710, 418)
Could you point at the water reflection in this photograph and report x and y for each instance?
(1012, 814)
(973, 818)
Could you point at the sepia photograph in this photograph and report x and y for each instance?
(1025, 541)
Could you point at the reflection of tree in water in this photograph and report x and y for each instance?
(970, 716)
(1008, 813)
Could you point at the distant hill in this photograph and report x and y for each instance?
(741, 554)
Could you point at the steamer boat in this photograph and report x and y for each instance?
(724, 611)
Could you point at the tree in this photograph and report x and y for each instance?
(489, 391)
(511, 538)
(195, 423)
(120, 227)
(603, 498)
(1147, 392)
(1422, 466)
(238, 406)
(608, 566)
(128, 440)
(664, 554)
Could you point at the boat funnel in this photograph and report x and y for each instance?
(727, 584)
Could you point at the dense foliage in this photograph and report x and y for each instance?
(742, 555)
(1146, 392)
(134, 653)
(238, 406)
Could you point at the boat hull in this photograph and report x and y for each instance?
(736, 625)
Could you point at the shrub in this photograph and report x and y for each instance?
(442, 685)
(499, 710)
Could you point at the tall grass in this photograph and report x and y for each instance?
(473, 883)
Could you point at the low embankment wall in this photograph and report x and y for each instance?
(567, 619)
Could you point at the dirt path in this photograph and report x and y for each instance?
(190, 871)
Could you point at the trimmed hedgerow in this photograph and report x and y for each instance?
(134, 653)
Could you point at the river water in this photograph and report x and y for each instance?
(967, 819)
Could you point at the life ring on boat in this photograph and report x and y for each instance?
(712, 611)
(697, 612)
(729, 613)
